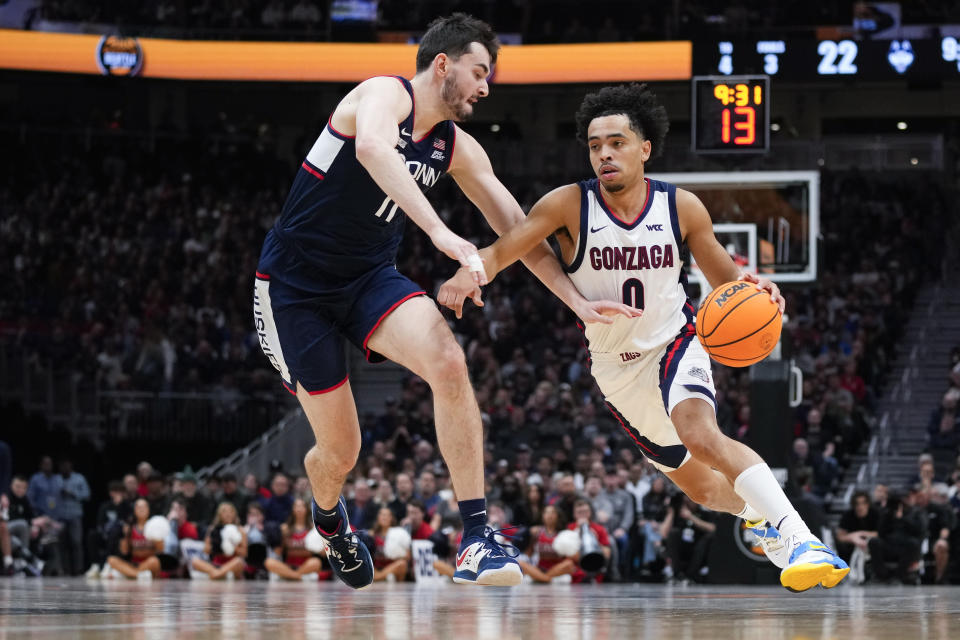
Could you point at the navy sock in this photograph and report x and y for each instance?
(327, 522)
(473, 513)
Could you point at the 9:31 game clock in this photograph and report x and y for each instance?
(730, 114)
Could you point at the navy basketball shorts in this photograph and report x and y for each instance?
(642, 389)
(302, 332)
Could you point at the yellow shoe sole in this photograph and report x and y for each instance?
(806, 576)
(834, 578)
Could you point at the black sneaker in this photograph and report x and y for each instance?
(348, 556)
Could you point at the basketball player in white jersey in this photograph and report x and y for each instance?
(621, 236)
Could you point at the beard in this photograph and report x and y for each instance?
(455, 99)
(613, 188)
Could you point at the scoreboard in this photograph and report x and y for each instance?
(730, 114)
(810, 59)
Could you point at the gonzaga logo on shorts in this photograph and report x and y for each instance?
(118, 56)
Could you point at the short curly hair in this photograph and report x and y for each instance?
(636, 101)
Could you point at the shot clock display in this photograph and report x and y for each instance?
(730, 114)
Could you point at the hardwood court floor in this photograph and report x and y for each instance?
(74, 608)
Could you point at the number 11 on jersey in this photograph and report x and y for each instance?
(383, 207)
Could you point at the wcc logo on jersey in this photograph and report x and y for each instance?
(728, 292)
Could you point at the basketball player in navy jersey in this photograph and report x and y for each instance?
(621, 236)
(327, 274)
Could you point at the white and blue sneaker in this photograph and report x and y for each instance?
(811, 563)
(483, 560)
(348, 556)
(769, 539)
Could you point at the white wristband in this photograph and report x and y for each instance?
(474, 263)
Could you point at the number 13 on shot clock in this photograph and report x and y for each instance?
(730, 114)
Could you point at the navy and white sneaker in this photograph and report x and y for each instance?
(483, 560)
(348, 555)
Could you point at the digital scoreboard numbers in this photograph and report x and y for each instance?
(807, 59)
(730, 114)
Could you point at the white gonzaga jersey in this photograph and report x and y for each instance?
(637, 264)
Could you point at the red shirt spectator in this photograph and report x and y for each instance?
(415, 523)
(423, 532)
(852, 382)
(187, 531)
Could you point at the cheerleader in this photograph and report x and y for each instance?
(384, 567)
(142, 553)
(550, 564)
(225, 544)
(298, 561)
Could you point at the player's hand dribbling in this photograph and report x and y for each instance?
(603, 311)
(460, 250)
(455, 291)
(765, 284)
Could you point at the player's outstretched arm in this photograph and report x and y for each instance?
(525, 234)
(520, 236)
(471, 168)
(374, 108)
(711, 257)
(546, 216)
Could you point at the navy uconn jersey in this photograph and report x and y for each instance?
(637, 263)
(337, 223)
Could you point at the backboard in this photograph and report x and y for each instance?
(783, 207)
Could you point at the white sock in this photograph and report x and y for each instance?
(757, 486)
(749, 514)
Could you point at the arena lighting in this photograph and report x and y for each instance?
(341, 62)
(902, 126)
(495, 128)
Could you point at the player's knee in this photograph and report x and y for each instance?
(336, 462)
(448, 370)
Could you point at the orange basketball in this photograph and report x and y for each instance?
(738, 325)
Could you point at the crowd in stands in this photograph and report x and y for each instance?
(149, 297)
(612, 497)
(535, 21)
(911, 533)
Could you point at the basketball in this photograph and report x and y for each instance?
(738, 325)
